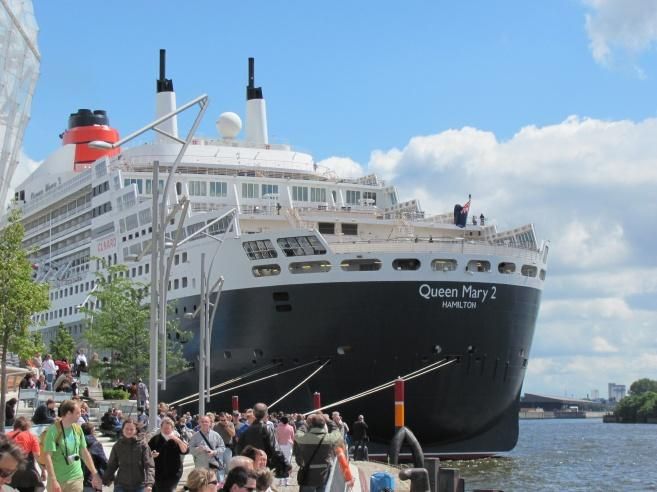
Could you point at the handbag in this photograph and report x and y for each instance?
(302, 474)
(212, 462)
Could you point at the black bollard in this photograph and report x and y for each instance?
(433, 468)
(419, 478)
(449, 480)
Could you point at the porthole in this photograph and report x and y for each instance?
(403, 264)
(443, 265)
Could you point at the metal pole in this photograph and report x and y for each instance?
(154, 332)
(201, 347)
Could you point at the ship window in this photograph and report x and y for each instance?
(146, 267)
(176, 284)
(301, 246)
(353, 197)
(184, 282)
(406, 264)
(179, 188)
(197, 188)
(218, 188)
(184, 257)
(443, 265)
(258, 250)
(542, 274)
(358, 265)
(269, 189)
(149, 186)
(141, 270)
(300, 193)
(176, 259)
(506, 267)
(266, 270)
(350, 229)
(478, 266)
(326, 227)
(249, 190)
(529, 270)
(317, 194)
(369, 198)
(310, 267)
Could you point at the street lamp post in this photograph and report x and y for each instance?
(160, 219)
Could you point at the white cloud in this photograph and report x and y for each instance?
(629, 26)
(583, 245)
(342, 166)
(601, 345)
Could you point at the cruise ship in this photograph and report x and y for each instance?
(322, 275)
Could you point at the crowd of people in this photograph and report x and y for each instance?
(233, 450)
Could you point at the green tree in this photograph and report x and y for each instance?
(63, 346)
(30, 346)
(643, 386)
(120, 325)
(20, 297)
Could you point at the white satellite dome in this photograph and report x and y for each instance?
(229, 125)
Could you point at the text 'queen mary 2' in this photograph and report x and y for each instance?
(316, 268)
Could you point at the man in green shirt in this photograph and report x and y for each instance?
(64, 447)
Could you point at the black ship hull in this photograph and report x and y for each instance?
(373, 332)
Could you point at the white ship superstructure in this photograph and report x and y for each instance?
(298, 227)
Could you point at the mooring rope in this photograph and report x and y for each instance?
(252, 382)
(229, 381)
(412, 375)
(298, 385)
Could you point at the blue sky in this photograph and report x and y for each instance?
(544, 111)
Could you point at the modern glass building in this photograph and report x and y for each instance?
(19, 71)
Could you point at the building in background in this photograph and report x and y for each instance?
(616, 391)
(595, 394)
(19, 70)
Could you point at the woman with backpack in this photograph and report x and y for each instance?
(132, 457)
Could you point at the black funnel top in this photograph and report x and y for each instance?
(164, 84)
(252, 92)
(85, 117)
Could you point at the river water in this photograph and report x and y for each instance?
(570, 455)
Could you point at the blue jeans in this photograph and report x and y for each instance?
(119, 488)
(49, 381)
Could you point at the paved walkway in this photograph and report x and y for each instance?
(361, 470)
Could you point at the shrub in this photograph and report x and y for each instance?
(115, 394)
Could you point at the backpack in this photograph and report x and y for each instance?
(381, 481)
(58, 437)
(42, 442)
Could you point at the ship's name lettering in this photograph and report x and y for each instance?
(105, 244)
(465, 293)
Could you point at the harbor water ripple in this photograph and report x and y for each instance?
(570, 455)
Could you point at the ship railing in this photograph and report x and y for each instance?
(434, 245)
(52, 196)
(73, 227)
(59, 218)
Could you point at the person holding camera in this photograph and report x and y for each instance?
(64, 448)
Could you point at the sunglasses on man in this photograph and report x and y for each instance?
(6, 473)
